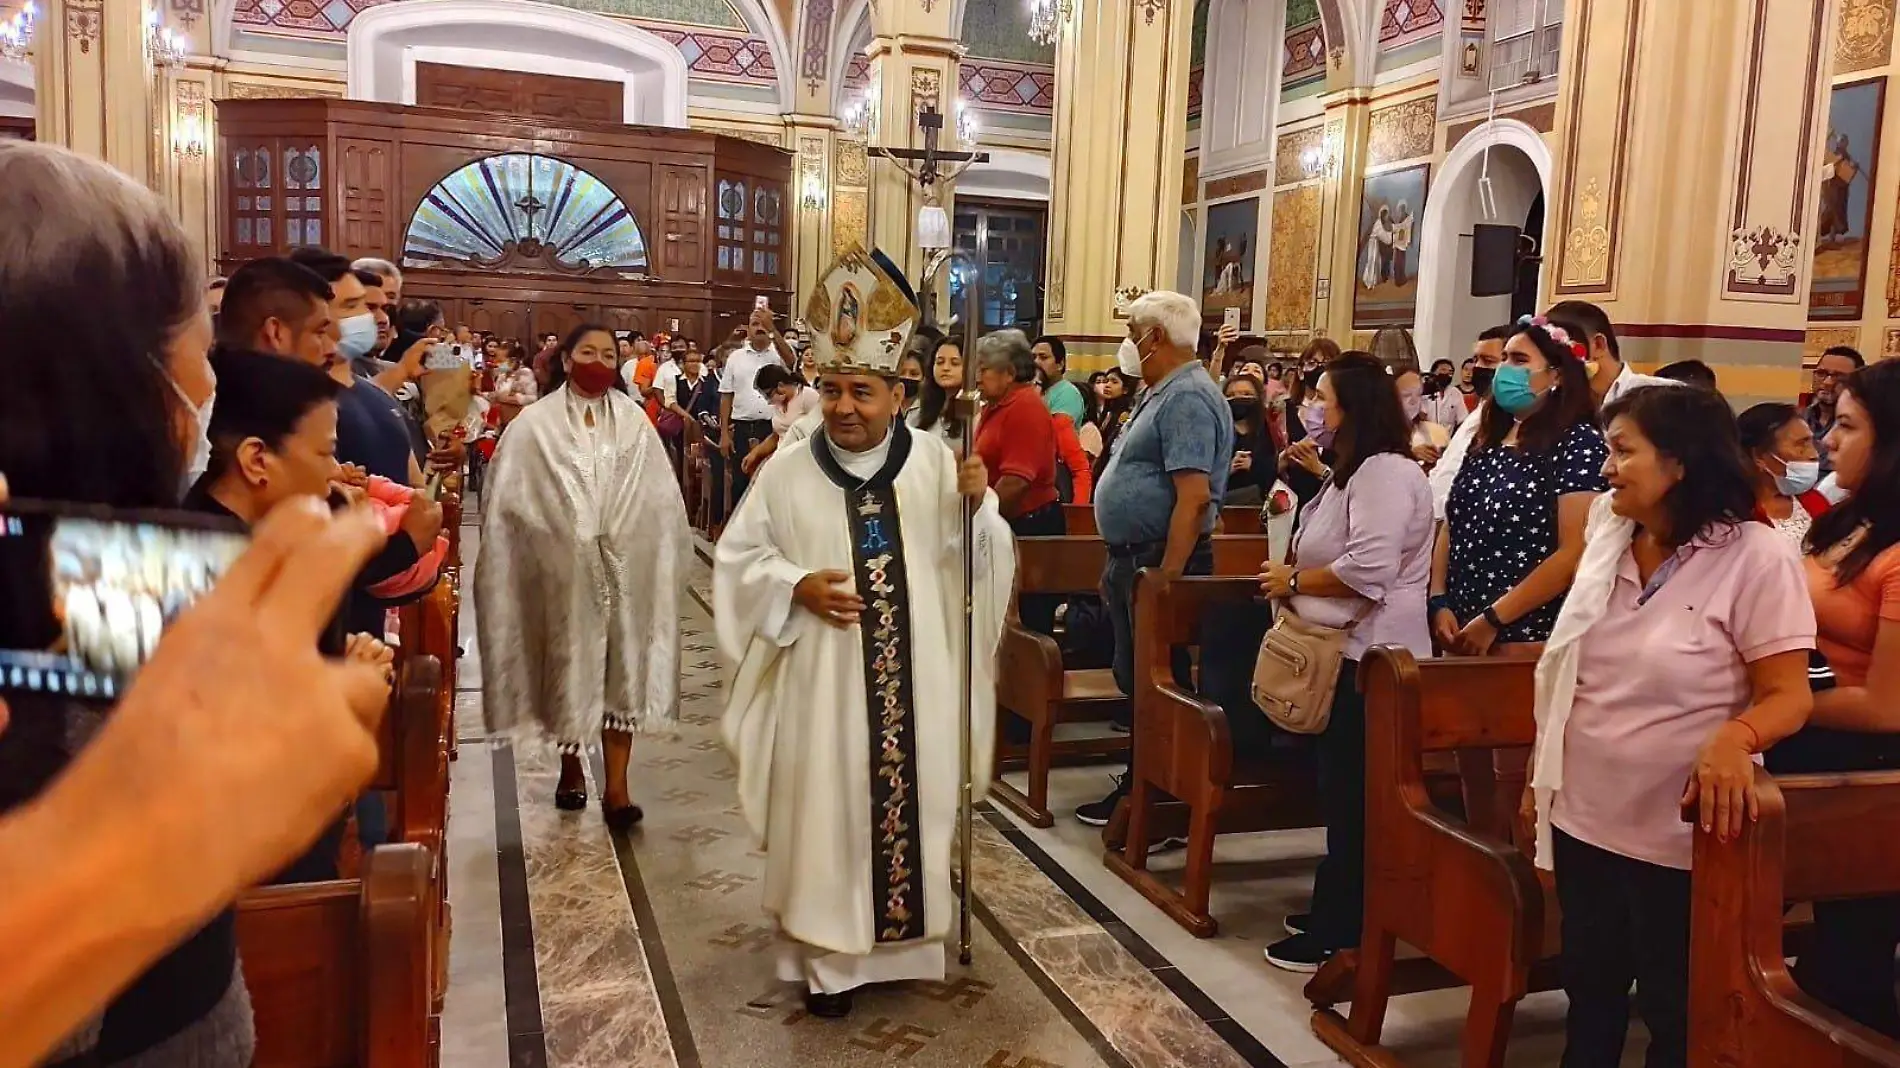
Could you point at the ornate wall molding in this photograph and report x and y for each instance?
(926, 88)
(1289, 153)
(853, 165)
(850, 220)
(1864, 37)
(261, 91)
(1401, 131)
(1293, 259)
(82, 22)
(1767, 216)
(1236, 184)
(1593, 177)
(1191, 180)
(814, 57)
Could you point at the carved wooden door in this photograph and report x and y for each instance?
(682, 223)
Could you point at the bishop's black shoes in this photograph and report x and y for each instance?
(828, 1006)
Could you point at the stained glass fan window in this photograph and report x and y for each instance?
(524, 205)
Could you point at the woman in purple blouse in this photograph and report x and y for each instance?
(1364, 553)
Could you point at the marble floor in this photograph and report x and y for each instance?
(578, 948)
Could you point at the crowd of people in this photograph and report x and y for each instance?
(1702, 590)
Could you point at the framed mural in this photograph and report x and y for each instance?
(1847, 199)
(1233, 239)
(1385, 274)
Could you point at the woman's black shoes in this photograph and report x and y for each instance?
(623, 818)
(570, 800)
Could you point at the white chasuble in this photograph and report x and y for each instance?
(582, 559)
(847, 738)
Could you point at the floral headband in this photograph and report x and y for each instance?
(1555, 333)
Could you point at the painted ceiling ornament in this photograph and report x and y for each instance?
(1125, 296)
(188, 11)
(1151, 8)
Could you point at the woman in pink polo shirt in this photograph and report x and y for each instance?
(1680, 653)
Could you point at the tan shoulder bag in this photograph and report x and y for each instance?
(1297, 670)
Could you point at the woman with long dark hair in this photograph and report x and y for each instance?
(935, 413)
(1853, 577)
(1255, 464)
(1115, 391)
(121, 417)
(1361, 559)
(1514, 521)
(1680, 653)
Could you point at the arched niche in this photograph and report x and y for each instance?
(1449, 317)
(386, 43)
(525, 211)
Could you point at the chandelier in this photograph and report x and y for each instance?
(16, 33)
(967, 128)
(1046, 18)
(166, 47)
(860, 116)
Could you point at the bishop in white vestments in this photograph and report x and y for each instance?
(583, 557)
(838, 590)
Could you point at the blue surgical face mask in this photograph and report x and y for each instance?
(1511, 389)
(356, 336)
(1798, 476)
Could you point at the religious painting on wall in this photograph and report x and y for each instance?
(1385, 274)
(1847, 199)
(1233, 237)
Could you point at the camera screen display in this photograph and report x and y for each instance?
(114, 585)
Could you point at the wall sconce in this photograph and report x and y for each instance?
(1046, 18)
(16, 33)
(860, 116)
(166, 47)
(967, 126)
(812, 191)
(188, 138)
(1320, 160)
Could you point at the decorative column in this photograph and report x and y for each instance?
(1114, 212)
(1689, 149)
(812, 140)
(1348, 125)
(96, 91)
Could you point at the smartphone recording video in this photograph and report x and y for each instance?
(106, 586)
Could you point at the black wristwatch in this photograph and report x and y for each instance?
(1491, 617)
(1293, 583)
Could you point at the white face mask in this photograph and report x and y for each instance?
(1129, 358)
(200, 459)
(356, 335)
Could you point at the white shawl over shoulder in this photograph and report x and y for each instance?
(1606, 537)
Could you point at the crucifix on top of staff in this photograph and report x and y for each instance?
(928, 167)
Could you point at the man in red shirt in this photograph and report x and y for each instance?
(1015, 437)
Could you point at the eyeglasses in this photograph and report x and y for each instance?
(1820, 373)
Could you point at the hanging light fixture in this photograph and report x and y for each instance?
(1046, 18)
(16, 33)
(860, 116)
(166, 47)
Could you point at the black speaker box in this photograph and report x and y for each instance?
(1493, 260)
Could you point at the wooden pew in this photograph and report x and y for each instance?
(1819, 837)
(1080, 519)
(1185, 751)
(419, 733)
(340, 973)
(1458, 890)
(1033, 684)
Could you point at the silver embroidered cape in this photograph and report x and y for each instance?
(583, 556)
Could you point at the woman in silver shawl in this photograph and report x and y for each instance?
(583, 553)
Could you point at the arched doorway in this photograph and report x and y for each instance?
(1517, 163)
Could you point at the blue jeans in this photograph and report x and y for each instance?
(1118, 596)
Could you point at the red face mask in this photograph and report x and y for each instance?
(592, 378)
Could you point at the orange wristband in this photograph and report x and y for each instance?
(1754, 745)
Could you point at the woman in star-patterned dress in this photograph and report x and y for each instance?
(1514, 523)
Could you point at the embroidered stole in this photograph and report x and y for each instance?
(877, 559)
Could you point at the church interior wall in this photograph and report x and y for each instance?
(1863, 55)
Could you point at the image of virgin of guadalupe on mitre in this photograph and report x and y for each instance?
(861, 315)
